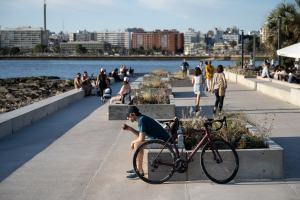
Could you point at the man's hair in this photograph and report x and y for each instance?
(209, 62)
(85, 72)
(220, 69)
(294, 70)
(206, 62)
(197, 71)
(78, 74)
(201, 61)
(268, 64)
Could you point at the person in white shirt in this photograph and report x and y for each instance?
(297, 65)
(266, 72)
(281, 71)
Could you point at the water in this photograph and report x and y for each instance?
(69, 68)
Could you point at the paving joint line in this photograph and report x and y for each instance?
(98, 170)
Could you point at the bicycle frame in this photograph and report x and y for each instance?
(204, 139)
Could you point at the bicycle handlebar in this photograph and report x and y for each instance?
(211, 122)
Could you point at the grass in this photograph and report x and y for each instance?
(236, 133)
(179, 76)
(155, 83)
(151, 97)
(160, 72)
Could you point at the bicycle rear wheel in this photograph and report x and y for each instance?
(160, 171)
(220, 172)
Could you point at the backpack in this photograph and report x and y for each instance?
(173, 127)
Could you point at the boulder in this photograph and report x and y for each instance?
(9, 95)
(3, 90)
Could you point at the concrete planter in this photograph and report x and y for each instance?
(167, 91)
(155, 111)
(264, 163)
(181, 83)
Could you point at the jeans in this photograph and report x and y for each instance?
(219, 99)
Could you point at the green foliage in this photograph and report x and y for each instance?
(80, 49)
(14, 50)
(39, 48)
(290, 26)
(233, 44)
(56, 48)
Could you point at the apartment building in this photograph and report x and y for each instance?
(80, 36)
(167, 39)
(195, 48)
(23, 37)
(190, 36)
(116, 39)
(89, 45)
(263, 35)
(252, 32)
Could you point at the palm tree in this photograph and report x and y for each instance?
(290, 27)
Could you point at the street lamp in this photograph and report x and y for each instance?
(242, 48)
(279, 39)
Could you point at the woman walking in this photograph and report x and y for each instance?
(103, 83)
(198, 81)
(219, 81)
(209, 75)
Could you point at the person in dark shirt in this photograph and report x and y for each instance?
(115, 75)
(293, 76)
(147, 127)
(185, 66)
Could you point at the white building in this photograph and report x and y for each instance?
(257, 33)
(191, 36)
(229, 38)
(116, 39)
(80, 36)
(263, 35)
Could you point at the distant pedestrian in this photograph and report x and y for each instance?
(219, 78)
(103, 82)
(185, 66)
(198, 81)
(209, 75)
(204, 74)
(266, 72)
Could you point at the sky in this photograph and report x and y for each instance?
(97, 15)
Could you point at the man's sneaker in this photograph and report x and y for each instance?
(133, 176)
(130, 171)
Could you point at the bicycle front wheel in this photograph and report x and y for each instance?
(155, 161)
(216, 171)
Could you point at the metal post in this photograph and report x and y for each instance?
(254, 46)
(242, 48)
(279, 39)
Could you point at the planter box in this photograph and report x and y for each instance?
(147, 78)
(155, 111)
(181, 83)
(168, 91)
(264, 163)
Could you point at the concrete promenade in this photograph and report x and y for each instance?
(76, 153)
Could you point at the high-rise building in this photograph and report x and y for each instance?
(172, 40)
(23, 37)
(263, 35)
(80, 36)
(257, 33)
(116, 39)
(191, 36)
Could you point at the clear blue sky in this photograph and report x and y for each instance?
(113, 15)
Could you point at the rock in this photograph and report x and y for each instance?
(13, 100)
(52, 77)
(9, 95)
(3, 90)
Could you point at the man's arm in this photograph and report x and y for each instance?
(135, 132)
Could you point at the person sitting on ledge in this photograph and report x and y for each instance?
(85, 81)
(116, 75)
(147, 127)
(293, 77)
(79, 86)
(265, 72)
(126, 89)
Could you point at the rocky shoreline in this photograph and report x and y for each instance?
(19, 92)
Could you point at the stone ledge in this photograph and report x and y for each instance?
(12, 121)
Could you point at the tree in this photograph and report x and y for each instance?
(80, 49)
(40, 48)
(154, 48)
(159, 48)
(1, 52)
(290, 27)
(51, 40)
(233, 44)
(219, 49)
(56, 48)
(131, 51)
(225, 47)
(141, 48)
(14, 50)
(100, 51)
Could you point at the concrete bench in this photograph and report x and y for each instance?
(12, 121)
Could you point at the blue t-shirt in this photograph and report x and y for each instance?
(152, 128)
(185, 66)
(292, 78)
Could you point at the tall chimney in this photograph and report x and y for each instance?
(45, 15)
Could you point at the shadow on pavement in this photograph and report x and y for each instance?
(18, 148)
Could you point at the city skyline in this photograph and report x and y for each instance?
(150, 15)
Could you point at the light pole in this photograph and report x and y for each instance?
(279, 39)
(242, 48)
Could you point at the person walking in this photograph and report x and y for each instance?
(219, 78)
(198, 81)
(209, 75)
(103, 83)
(185, 66)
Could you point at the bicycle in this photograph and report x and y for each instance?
(219, 160)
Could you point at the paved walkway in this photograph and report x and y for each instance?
(76, 153)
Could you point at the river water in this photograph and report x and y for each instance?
(69, 68)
